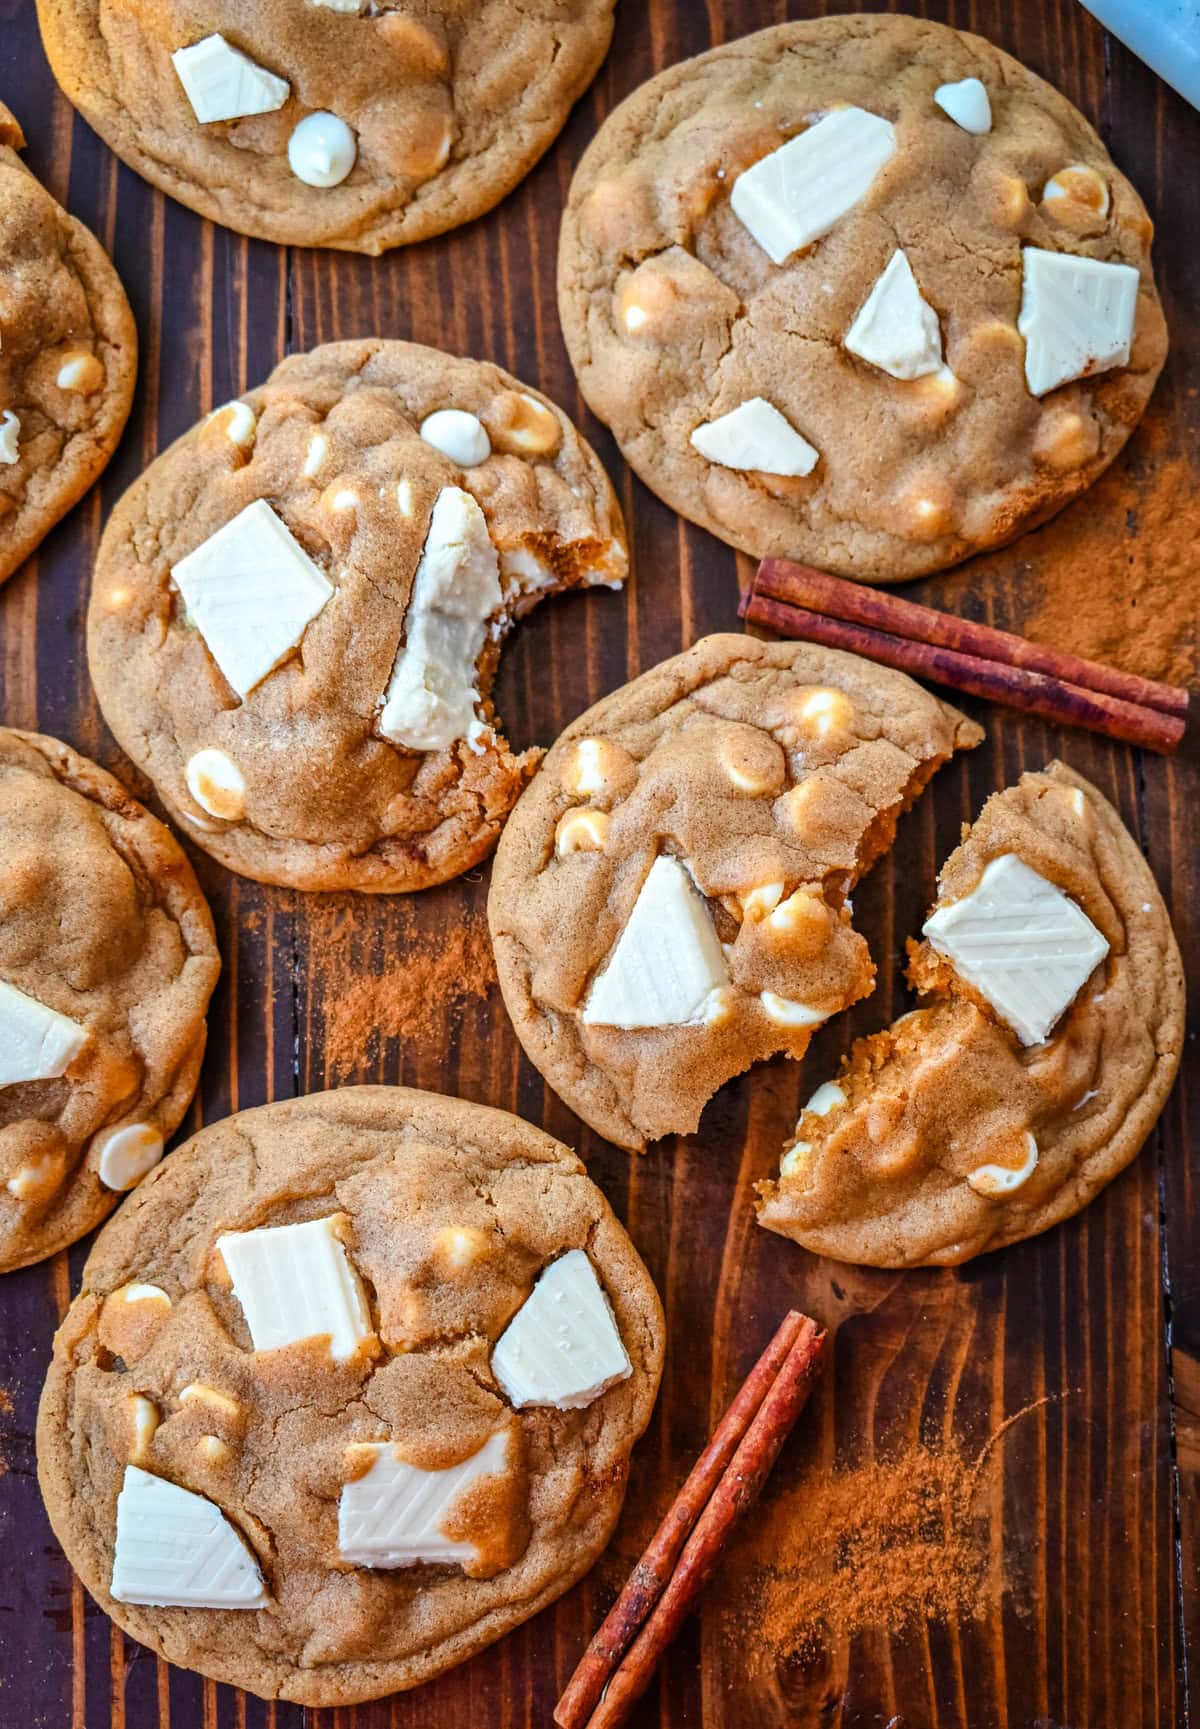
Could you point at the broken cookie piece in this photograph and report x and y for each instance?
(333, 565)
(669, 901)
(1045, 1044)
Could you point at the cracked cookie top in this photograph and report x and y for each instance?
(361, 124)
(297, 610)
(862, 291)
(107, 962)
(68, 356)
(382, 1356)
(669, 900)
(1047, 1040)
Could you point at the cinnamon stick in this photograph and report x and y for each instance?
(734, 1493)
(649, 1577)
(832, 596)
(1002, 682)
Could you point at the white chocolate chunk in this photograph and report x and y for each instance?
(1077, 316)
(667, 961)
(787, 1013)
(36, 1043)
(996, 1181)
(297, 1282)
(10, 437)
(352, 6)
(827, 1097)
(459, 435)
(175, 1549)
(967, 105)
(562, 1347)
(322, 150)
(128, 1154)
(896, 328)
(222, 83)
(524, 571)
(393, 1514)
(433, 694)
(217, 784)
(251, 591)
(755, 436)
(1024, 945)
(796, 194)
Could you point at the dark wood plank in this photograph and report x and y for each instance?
(1090, 1607)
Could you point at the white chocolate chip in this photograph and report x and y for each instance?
(143, 1415)
(350, 6)
(127, 1154)
(459, 435)
(343, 498)
(755, 437)
(996, 1181)
(823, 710)
(967, 105)
(786, 1013)
(217, 784)
(827, 1097)
(795, 1156)
(241, 426)
(459, 1247)
(581, 831)
(31, 1179)
(81, 372)
(758, 902)
(322, 150)
(199, 1393)
(404, 497)
(212, 1450)
(140, 1293)
(584, 773)
(1080, 185)
(315, 454)
(222, 83)
(10, 432)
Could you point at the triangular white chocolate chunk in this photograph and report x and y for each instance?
(1077, 316)
(393, 1513)
(755, 436)
(562, 1347)
(896, 328)
(667, 961)
(36, 1043)
(796, 194)
(175, 1549)
(222, 83)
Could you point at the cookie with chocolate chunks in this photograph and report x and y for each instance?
(297, 610)
(349, 1390)
(360, 124)
(1046, 1042)
(68, 356)
(861, 291)
(107, 962)
(669, 900)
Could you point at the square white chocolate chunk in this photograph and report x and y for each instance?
(251, 591)
(755, 436)
(393, 1514)
(222, 83)
(175, 1549)
(433, 695)
(297, 1282)
(796, 194)
(667, 961)
(896, 328)
(1024, 945)
(562, 1347)
(1077, 316)
(36, 1043)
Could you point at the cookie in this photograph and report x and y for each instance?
(861, 291)
(68, 356)
(669, 901)
(297, 610)
(1046, 1043)
(107, 962)
(328, 122)
(382, 1356)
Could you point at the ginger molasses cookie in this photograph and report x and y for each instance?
(107, 962)
(669, 901)
(859, 290)
(1043, 1051)
(297, 610)
(361, 124)
(68, 356)
(349, 1391)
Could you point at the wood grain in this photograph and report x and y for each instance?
(1091, 1519)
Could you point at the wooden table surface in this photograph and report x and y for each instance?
(1089, 1516)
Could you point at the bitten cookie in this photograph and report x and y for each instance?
(349, 1391)
(107, 962)
(859, 290)
(297, 610)
(1036, 1066)
(669, 900)
(328, 122)
(68, 356)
